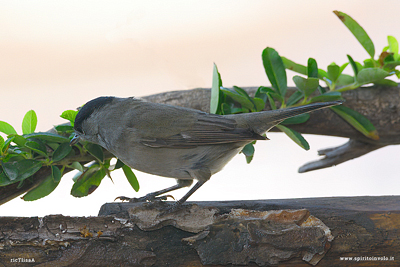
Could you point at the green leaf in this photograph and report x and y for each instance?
(7, 128)
(275, 70)
(49, 137)
(37, 147)
(69, 115)
(391, 65)
(261, 94)
(248, 151)
(302, 118)
(295, 136)
(42, 190)
(239, 98)
(119, 164)
(333, 72)
(369, 63)
(393, 47)
(357, 120)
(131, 177)
(294, 98)
(344, 79)
(2, 143)
(77, 166)
(242, 92)
(371, 75)
(64, 128)
(55, 173)
(96, 151)
(328, 96)
(88, 181)
(4, 180)
(386, 82)
(353, 65)
(61, 152)
(29, 122)
(312, 68)
(307, 86)
(20, 170)
(290, 65)
(215, 93)
(259, 104)
(358, 32)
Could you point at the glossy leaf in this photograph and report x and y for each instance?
(386, 82)
(312, 68)
(248, 151)
(357, 120)
(96, 151)
(353, 65)
(295, 136)
(69, 115)
(275, 70)
(61, 152)
(88, 181)
(64, 128)
(42, 190)
(370, 75)
(37, 147)
(260, 94)
(4, 180)
(239, 98)
(49, 137)
(22, 169)
(294, 98)
(290, 65)
(259, 104)
(131, 177)
(393, 47)
(77, 166)
(307, 86)
(2, 143)
(344, 79)
(328, 96)
(302, 118)
(7, 128)
(119, 164)
(29, 122)
(333, 72)
(56, 173)
(216, 84)
(358, 32)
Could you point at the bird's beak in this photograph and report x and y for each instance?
(74, 140)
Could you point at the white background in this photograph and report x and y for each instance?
(58, 55)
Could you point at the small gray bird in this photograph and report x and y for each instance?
(171, 141)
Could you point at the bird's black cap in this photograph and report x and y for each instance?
(88, 109)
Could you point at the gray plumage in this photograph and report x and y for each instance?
(172, 141)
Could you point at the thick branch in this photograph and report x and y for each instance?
(290, 232)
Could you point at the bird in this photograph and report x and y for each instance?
(172, 141)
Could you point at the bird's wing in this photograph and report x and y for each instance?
(183, 128)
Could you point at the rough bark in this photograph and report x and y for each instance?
(293, 232)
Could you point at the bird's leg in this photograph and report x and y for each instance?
(202, 176)
(154, 196)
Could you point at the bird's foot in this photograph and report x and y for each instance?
(147, 198)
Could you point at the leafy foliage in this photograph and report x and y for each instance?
(309, 91)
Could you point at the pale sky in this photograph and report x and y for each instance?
(58, 55)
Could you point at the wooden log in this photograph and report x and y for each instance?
(289, 232)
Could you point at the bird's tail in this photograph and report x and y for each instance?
(262, 121)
